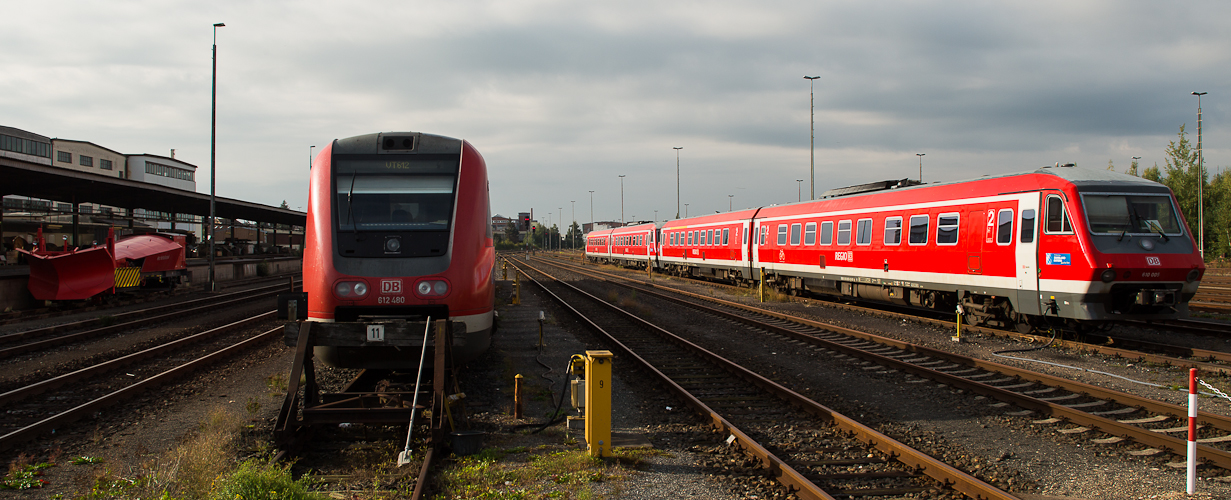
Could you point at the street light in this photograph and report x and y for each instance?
(920, 155)
(622, 223)
(1200, 181)
(677, 180)
(798, 196)
(572, 241)
(213, 127)
(1135, 158)
(812, 136)
(559, 240)
(685, 210)
(591, 209)
(730, 200)
(310, 156)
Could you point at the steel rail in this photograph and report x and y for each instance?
(1132, 354)
(49, 424)
(126, 316)
(939, 471)
(115, 364)
(243, 297)
(1178, 446)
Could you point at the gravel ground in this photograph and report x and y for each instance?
(1012, 452)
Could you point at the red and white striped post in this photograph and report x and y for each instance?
(1192, 430)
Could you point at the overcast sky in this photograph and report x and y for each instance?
(563, 97)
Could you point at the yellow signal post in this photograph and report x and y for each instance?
(598, 403)
(516, 289)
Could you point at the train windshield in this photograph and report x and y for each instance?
(394, 202)
(1130, 213)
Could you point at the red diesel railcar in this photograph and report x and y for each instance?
(398, 232)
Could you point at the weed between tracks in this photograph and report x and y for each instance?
(547, 471)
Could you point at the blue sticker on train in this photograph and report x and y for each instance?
(1058, 259)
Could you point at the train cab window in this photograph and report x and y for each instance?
(795, 234)
(918, 230)
(827, 233)
(782, 228)
(863, 232)
(1004, 227)
(946, 229)
(1027, 225)
(844, 232)
(394, 202)
(810, 234)
(893, 231)
(726, 233)
(1057, 217)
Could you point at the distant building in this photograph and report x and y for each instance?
(599, 226)
(88, 157)
(163, 171)
(27, 146)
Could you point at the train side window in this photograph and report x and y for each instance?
(844, 232)
(893, 231)
(782, 228)
(810, 233)
(1057, 217)
(946, 229)
(918, 230)
(827, 233)
(1004, 227)
(1027, 225)
(709, 237)
(726, 235)
(795, 234)
(863, 232)
(764, 231)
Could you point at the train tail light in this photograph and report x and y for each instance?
(351, 290)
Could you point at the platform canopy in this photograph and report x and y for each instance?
(33, 180)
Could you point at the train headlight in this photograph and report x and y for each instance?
(352, 290)
(1109, 276)
(1193, 274)
(432, 288)
(393, 244)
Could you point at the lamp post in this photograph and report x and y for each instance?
(685, 210)
(310, 148)
(213, 127)
(1134, 167)
(591, 209)
(730, 200)
(622, 223)
(920, 155)
(559, 240)
(812, 136)
(677, 180)
(798, 195)
(572, 241)
(1200, 182)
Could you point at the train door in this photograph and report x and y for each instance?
(1028, 254)
(975, 222)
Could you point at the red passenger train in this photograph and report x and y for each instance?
(399, 231)
(1082, 246)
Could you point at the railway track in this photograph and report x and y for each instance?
(853, 460)
(23, 342)
(1107, 417)
(50, 405)
(1109, 344)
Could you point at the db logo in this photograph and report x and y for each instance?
(781, 256)
(1153, 261)
(390, 286)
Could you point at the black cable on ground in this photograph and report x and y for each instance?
(560, 403)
